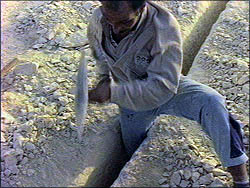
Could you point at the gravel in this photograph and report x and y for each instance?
(175, 178)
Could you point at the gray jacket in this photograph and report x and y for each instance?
(146, 73)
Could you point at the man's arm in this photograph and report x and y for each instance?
(163, 74)
(102, 91)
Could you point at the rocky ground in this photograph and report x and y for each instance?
(38, 147)
(38, 93)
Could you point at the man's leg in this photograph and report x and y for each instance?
(134, 127)
(203, 104)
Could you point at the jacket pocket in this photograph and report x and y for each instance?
(139, 65)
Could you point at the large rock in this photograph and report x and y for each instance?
(223, 61)
(26, 68)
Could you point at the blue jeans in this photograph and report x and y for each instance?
(196, 102)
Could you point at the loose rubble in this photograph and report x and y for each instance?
(37, 90)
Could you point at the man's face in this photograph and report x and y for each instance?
(123, 20)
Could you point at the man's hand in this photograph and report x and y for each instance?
(102, 91)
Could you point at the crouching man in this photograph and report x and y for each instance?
(138, 44)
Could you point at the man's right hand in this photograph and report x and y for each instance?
(102, 91)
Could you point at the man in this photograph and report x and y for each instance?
(138, 44)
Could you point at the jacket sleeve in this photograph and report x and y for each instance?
(163, 74)
(93, 29)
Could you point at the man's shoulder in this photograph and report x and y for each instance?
(96, 16)
(162, 18)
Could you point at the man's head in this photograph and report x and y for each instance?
(122, 15)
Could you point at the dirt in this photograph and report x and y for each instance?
(12, 43)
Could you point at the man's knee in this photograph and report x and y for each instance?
(213, 107)
(214, 100)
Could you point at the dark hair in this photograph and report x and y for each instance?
(137, 4)
(115, 5)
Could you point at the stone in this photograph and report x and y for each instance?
(29, 146)
(195, 184)
(52, 87)
(49, 47)
(28, 87)
(42, 31)
(7, 172)
(18, 140)
(242, 65)
(20, 17)
(42, 40)
(10, 161)
(207, 179)
(17, 153)
(180, 155)
(187, 174)
(184, 183)
(246, 141)
(195, 176)
(2, 166)
(51, 35)
(200, 170)
(82, 25)
(60, 39)
(37, 46)
(13, 169)
(26, 128)
(211, 161)
(245, 88)
(165, 185)
(2, 138)
(193, 147)
(219, 172)
(64, 58)
(24, 161)
(243, 80)
(208, 167)
(165, 174)
(11, 182)
(179, 11)
(163, 180)
(226, 85)
(26, 69)
(30, 172)
(77, 39)
(87, 5)
(19, 184)
(31, 155)
(7, 152)
(4, 184)
(20, 158)
(175, 178)
(169, 167)
(217, 183)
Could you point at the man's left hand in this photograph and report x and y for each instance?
(101, 93)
